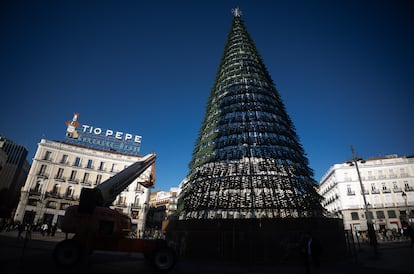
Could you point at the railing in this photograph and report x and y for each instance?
(73, 181)
(43, 175)
(60, 178)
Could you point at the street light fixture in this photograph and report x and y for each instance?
(370, 225)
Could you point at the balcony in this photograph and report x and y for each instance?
(69, 197)
(43, 175)
(350, 193)
(86, 183)
(409, 188)
(52, 194)
(375, 191)
(397, 190)
(34, 192)
(386, 191)
(73, 181)
(136, 206)
(60, 178)
(121, 204)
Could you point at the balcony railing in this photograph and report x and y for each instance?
(60, 178)
(43, 175)
(410, 188)
(51, 194)
(34, 192)
(86, 183)
(73, 181)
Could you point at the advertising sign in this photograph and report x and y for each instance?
(102, 138)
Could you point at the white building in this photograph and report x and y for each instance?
(389, 191)
(59, 171)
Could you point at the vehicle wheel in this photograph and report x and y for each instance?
(163, 259)
(67, 253)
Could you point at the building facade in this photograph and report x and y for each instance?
(162, 205)
(14, 169)
(388, 184)
(61, 169)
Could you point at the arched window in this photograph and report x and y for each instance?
(38, 187)
(56, 189)
(136, 201)
(69, 191)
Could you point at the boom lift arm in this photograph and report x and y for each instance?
(105, 193)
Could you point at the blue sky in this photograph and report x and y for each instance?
(343, 68)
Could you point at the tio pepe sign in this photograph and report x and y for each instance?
(103, 138)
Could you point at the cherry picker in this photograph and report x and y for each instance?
(97, 227)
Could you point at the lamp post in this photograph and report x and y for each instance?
(370, 226)
(407, 212)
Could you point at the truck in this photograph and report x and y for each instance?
(95, 226)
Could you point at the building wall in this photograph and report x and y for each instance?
(13, 173)
(385, 180)
(60, 170)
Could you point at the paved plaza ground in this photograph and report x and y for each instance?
(35, 256)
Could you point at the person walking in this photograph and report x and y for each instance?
(310, 249)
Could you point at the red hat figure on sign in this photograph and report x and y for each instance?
(72, 125)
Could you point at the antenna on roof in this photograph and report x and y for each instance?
(236, 12)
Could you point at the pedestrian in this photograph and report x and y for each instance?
(29, 228)
(43, 229)
(49, 229)
(54, 228)
(310, 249)
(20, 229)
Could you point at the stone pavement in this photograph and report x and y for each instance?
(35, 255)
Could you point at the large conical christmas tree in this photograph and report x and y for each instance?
(247, 161)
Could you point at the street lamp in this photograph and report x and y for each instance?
(370, 226)
(407, 212)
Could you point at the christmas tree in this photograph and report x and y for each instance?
(247, 161)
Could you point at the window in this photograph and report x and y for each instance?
(59, 173)
(56, 189)
(69, 191)
(113, 169)
(77, 161)
(38, 187)
(371, 215)
(354, 216)
(85, 178)
(98, 179)
(121, 200)
(73, 176)
(89, 164)
(349, 190)
(42, 170)
(47, 156)
(380, 214)
(64, 159)
(136, 202)
(102, 166)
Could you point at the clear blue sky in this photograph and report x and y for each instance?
(345, 70)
